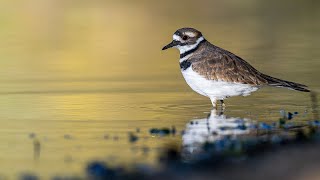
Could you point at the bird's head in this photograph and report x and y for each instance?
(185, 39)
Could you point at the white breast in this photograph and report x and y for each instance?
(215, 89)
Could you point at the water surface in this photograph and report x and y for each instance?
(76, 77)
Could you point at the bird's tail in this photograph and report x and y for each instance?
(287, 84)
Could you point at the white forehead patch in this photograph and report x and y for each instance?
(176, 37)
(190, 34)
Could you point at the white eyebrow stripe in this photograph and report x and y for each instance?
(186, 48)
(176, 37)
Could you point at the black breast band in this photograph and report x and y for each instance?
(185, 64)
(191, 50)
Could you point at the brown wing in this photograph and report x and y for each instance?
(225, 66)
(216, 63)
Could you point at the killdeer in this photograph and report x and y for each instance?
(217, 73)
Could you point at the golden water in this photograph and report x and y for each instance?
(77, 76)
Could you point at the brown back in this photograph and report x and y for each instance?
(215, 63)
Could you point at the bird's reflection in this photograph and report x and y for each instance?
(215, 127)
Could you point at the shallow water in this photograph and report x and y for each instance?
(77, 77)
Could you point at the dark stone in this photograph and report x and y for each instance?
(242, 127)
(67, 136)
(98, 170)
(115, 138)
(32, 135)
(160, 132)
(290, 115)
(29, 177)
(154, 131)
(132, 137)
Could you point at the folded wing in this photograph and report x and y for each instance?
(226, 66)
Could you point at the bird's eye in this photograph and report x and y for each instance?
(185, 37)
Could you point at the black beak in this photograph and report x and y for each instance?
(172, 44)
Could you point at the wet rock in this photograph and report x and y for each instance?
(29, 177)
(170, 155)
(32, 135)
(290, 115)
(315, 123)
(264, 126)
(99, 171)
(242, 127)
(106, 136)
(67, 136)
(132, 137)
(160, 132)
(115, 138)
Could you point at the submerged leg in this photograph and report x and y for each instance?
(222, 106)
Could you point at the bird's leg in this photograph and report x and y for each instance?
(213, 112)
(214, 103)
(223, 105)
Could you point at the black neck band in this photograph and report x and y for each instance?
(191, 50)
(185, 64)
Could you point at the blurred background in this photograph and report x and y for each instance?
(77, 76)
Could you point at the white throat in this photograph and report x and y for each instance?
(185, 58)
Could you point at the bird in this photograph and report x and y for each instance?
(218, 73)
